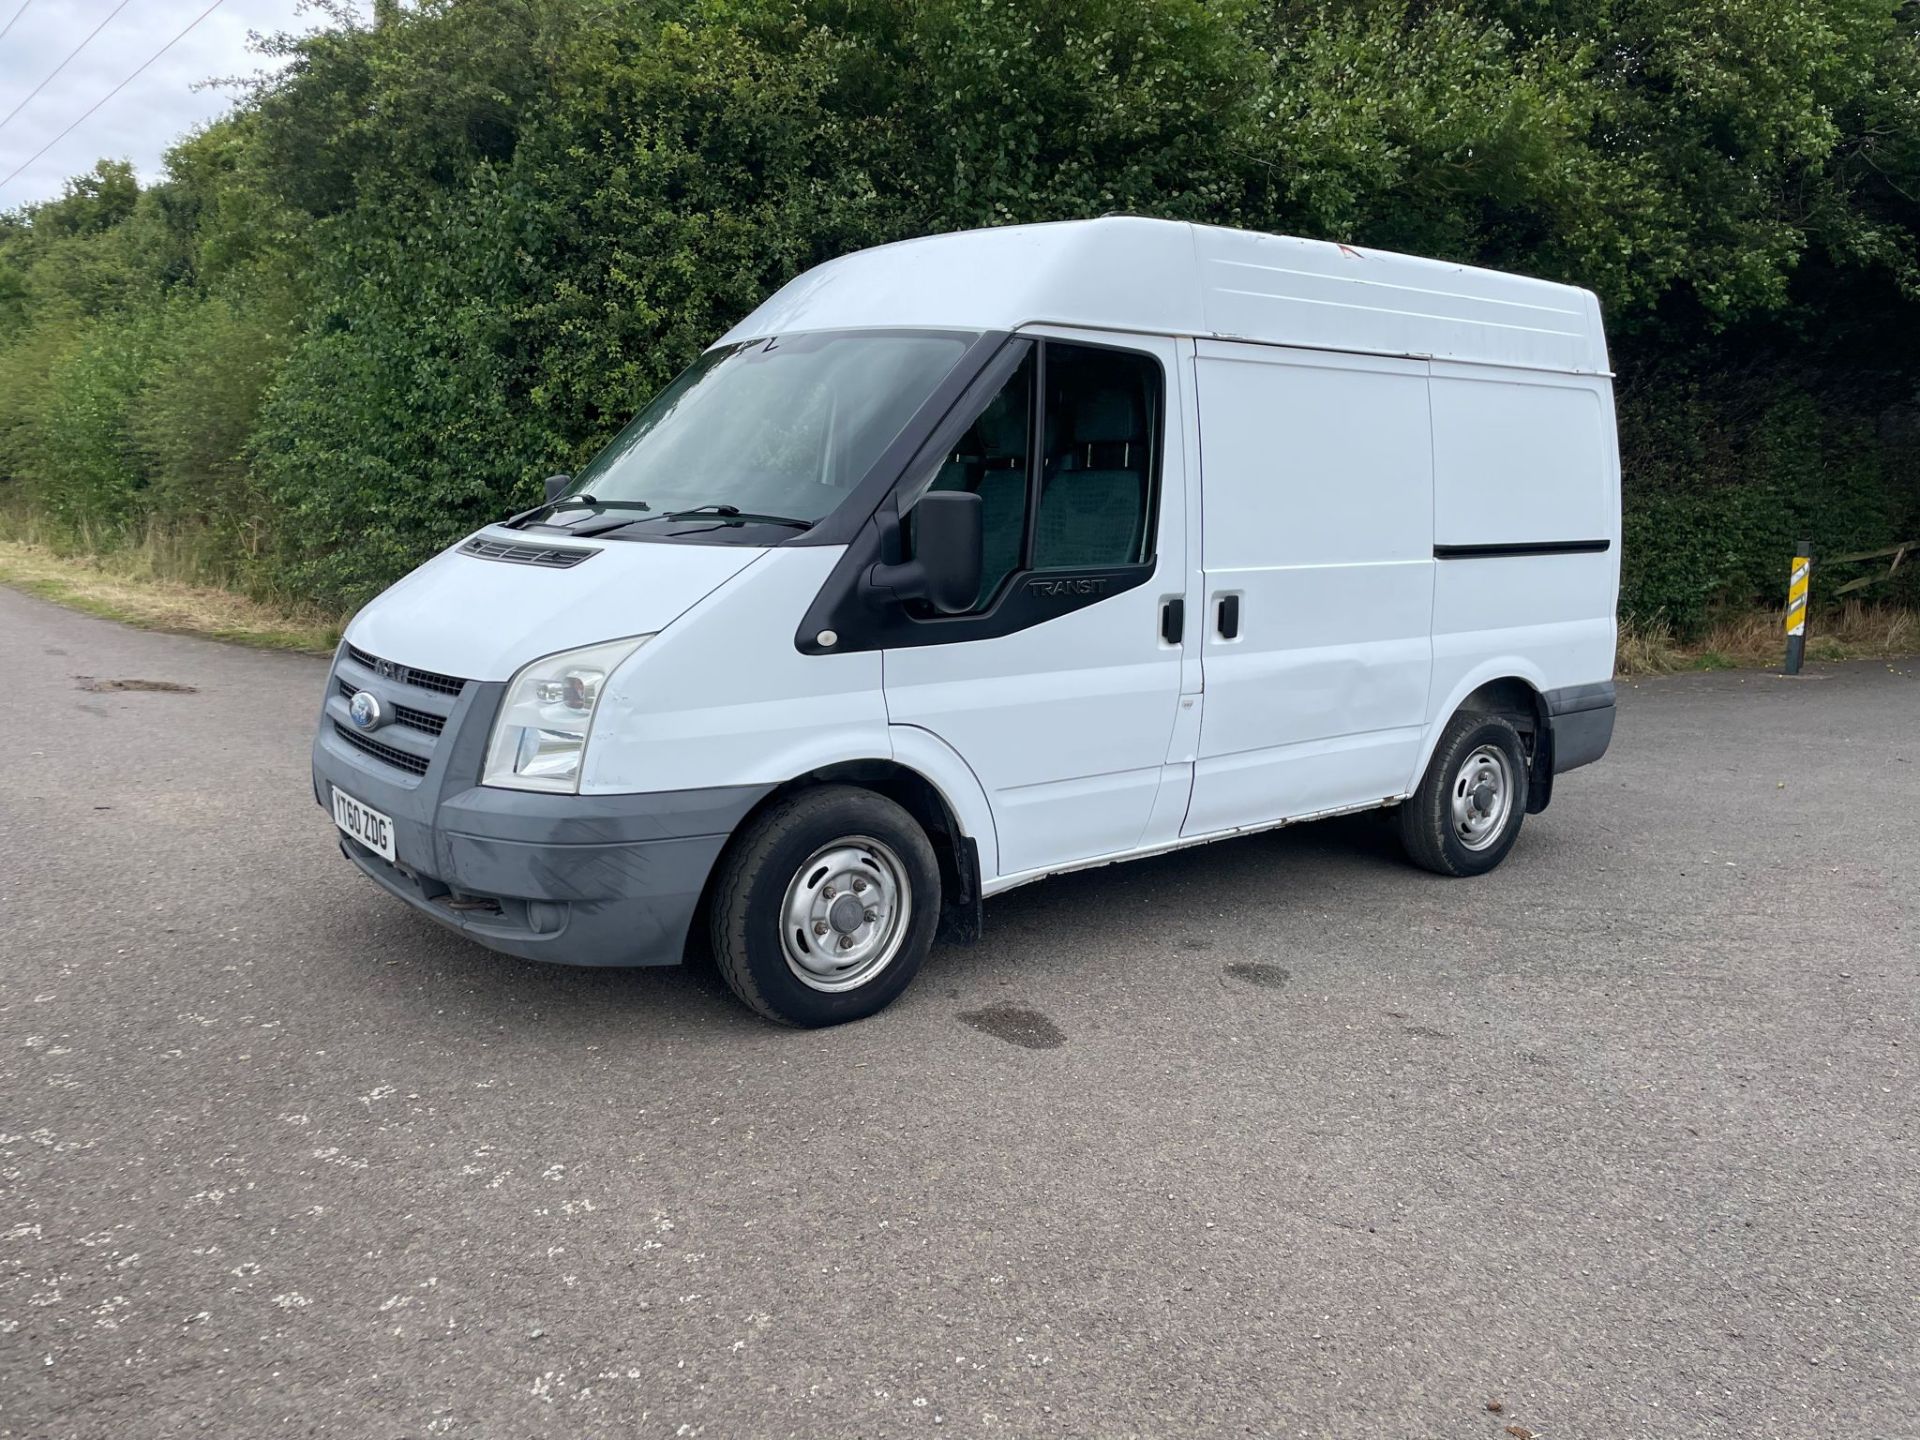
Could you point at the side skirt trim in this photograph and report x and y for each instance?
(1004, 883)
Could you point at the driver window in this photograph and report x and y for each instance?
(1097, 472)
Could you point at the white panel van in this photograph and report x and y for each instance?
(970, 560)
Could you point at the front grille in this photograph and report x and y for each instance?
(404, 714)
(399, 759)
(418, 720)
(544, 557)
(406, 675)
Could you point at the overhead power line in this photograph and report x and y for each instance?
(113, 92)
(64, 63)
(25, 5)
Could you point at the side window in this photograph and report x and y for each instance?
(1094, 476)
(1097, 488)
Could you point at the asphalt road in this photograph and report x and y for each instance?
(1277, 1137)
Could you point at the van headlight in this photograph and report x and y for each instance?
(540, 738)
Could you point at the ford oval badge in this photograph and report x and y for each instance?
(364, 711)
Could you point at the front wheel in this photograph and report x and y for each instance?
(1466, 814)
(825, 906)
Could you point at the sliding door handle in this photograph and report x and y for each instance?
(1173, 620)
(1227, 617)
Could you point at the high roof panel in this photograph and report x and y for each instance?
(1165, 277)
(1278, 290)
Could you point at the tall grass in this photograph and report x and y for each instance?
(152, 549)
(158, 576)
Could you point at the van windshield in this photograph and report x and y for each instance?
(781, 428)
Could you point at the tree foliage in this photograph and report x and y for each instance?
(434, 260)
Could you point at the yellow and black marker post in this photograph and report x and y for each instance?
(1797, 587)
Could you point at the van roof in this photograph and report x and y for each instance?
(1169, 277)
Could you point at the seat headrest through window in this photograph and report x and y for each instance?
(1001, 430)
(1106, 417)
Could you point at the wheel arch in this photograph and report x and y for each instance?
(1511, 687)
(956, 847)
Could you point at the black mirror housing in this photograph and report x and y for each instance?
(557, 486)
(947, 560)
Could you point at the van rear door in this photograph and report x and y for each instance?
(1317, 550)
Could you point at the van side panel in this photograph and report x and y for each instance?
(1318, 527)
(1522, 459)
(1519, 457)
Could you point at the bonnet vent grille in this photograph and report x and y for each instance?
(541, 557)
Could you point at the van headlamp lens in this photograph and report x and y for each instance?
(540, 738)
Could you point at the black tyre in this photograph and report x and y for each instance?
(1467, 811)
(825, 906)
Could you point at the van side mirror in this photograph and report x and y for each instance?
(944, 569)
(557, 486)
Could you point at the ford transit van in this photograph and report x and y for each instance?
(974, 559)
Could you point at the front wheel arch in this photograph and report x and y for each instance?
(961, 904)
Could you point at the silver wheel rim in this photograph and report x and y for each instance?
(1482, 797)
(845, 915)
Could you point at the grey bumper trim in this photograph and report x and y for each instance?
(531, 818)
(1581, 717)
(1571, 699)
(615, 884)
(571, 925)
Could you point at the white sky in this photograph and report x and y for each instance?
(152, 112)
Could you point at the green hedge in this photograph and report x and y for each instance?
(437, 260)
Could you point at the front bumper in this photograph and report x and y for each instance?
(573, 879)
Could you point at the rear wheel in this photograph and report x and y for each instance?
(825, 906)
(1467, 811)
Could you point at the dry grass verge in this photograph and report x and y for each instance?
(1853, 631)
(123, 592)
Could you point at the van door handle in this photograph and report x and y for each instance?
(1228, 620)
(1173, 620)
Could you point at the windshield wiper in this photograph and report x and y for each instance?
(734, 512)
(568, 502)
(603, 504)
(726, 513)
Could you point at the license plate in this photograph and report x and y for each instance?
(362, 823)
